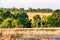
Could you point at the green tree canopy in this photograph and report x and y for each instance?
(54, 20)
(36, 21)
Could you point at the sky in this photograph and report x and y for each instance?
(53, 4)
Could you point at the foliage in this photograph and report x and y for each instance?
(13, 19)
(36, 19)
(18, 18)
(40, 10)
(54, 20)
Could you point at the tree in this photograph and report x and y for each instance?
(15, 23)
(6, 23)
(36, 21)
(1, 9)
(1, 20)
(54, 20)
(46, 21)
(29, 10)
(21, 9)
(23, 18)
(6, 14)
(49, 10)
(38, 10)
(13, 9)
(36, 18)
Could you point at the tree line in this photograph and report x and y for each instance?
(18, 18)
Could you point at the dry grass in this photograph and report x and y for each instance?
(31, 14)
(54, 32)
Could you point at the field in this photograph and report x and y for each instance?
(31, 14)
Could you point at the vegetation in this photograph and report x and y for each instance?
(18, 18)
(37, 21)
(11, 19)
(54, 20)
(40, 10)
